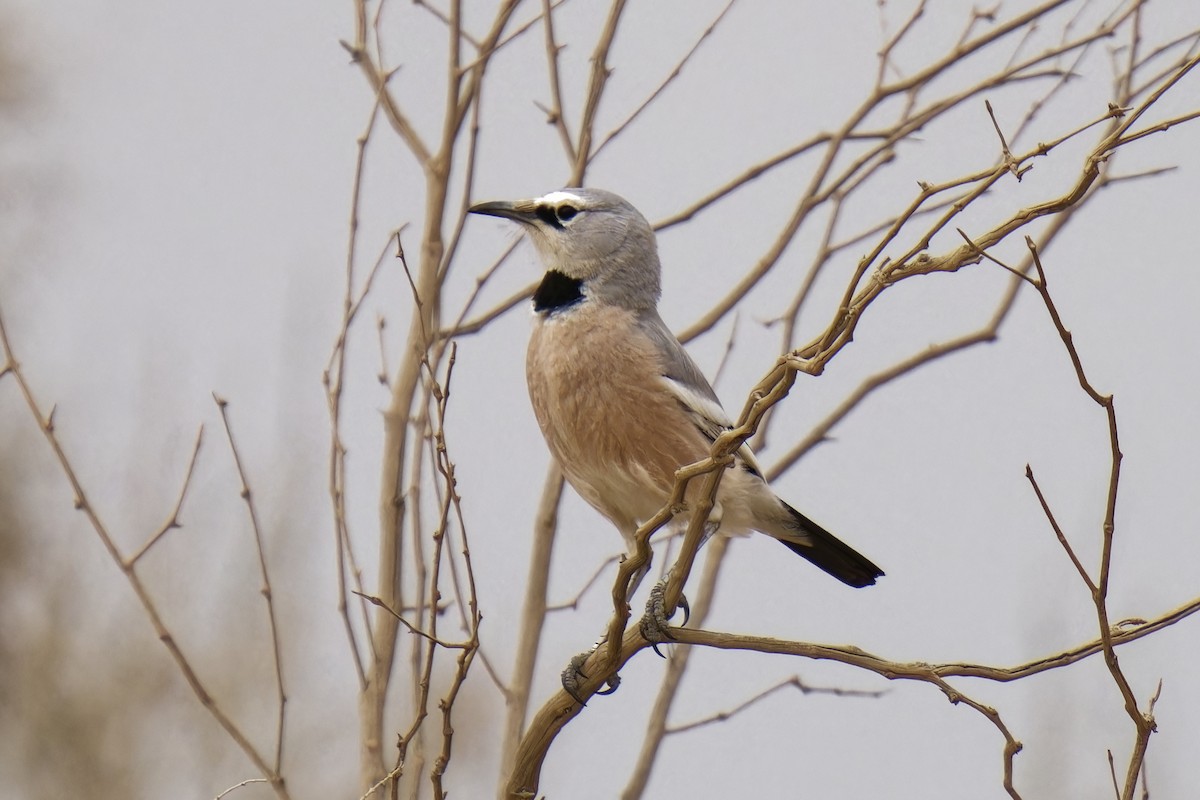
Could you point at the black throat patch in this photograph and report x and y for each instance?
(556, 292)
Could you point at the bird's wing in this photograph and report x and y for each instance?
(684, 380)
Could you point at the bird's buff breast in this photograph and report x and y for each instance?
(596, 388)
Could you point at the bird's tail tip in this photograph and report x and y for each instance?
(831, 554)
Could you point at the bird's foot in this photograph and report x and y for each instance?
(655, 625)
(573, 676)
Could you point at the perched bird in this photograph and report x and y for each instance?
(620, 402)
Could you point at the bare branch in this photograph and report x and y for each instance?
(333, 380)
(677, 663)
(554, 114)
(45, 422)
(794, 682)
(675, 72)
(533, 616)
(172, 518)
(267, 594)
(1058, 532)
(1144, 722)
(596, 82)
(237, 786)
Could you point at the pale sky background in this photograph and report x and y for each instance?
(178, 184)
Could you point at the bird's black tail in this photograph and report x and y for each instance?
(830, 553)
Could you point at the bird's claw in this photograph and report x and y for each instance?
(573, 674)
(610, 686)
(655, 625)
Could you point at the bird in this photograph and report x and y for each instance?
(621, 404)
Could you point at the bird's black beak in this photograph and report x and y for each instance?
(517, 211)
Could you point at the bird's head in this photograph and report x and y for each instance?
(591, 236)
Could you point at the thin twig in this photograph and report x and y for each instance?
(173, 518)
(268, 595)
(333, 380)
(675, 72)
(46, 424)
(236, 786)
(532, 619)
(1143, 721)
(410, 627)
(554, 114)
(597, 79)
(794, 682)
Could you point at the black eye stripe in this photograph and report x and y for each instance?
(555, 216)
(546, 215)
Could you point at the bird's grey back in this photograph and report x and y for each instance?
(677, 364)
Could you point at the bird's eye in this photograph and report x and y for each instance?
(566, 212)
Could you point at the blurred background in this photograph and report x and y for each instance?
(176, 184)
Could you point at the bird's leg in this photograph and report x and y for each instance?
(573, 675)
(710, 527)
(655, 625)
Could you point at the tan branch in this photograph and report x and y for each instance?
(45, 422)
(172, 518)
(267, 593)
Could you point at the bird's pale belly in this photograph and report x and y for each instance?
(604, 413)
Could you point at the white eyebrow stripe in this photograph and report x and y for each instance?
(554, 198)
